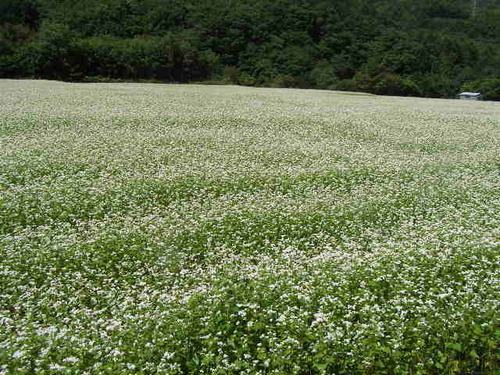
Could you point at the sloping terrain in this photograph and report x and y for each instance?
(183, 229)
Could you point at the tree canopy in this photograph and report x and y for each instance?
(401, 47)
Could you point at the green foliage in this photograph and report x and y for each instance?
(20, 12)
(386, 83)
(488, 87)
(246, 79)
(323, 75)
(231, 74)
(284, 80)
(393, 47)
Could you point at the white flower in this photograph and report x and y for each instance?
(70, 360)
(18, 354)
(56, 367)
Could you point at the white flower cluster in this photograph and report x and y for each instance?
(183, 229)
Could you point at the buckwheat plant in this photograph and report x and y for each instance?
(183, 229)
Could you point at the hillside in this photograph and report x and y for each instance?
(396, 47)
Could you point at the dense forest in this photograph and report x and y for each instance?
(431, 48)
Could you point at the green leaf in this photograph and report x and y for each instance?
(385, 349)
(492, 344)
(473, 354)
(454, 346)
(320, 366)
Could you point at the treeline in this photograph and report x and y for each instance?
(398, 47)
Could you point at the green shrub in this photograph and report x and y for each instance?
(323, 76)
(231, 74)
(284, 80)
(488, 87)
(246, 79)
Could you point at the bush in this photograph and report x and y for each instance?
(285, 80)
(323, 76)
(174, 58)
(489, 87)
(231, 74)
(246, 79)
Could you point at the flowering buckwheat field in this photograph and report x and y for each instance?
(174, 229)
